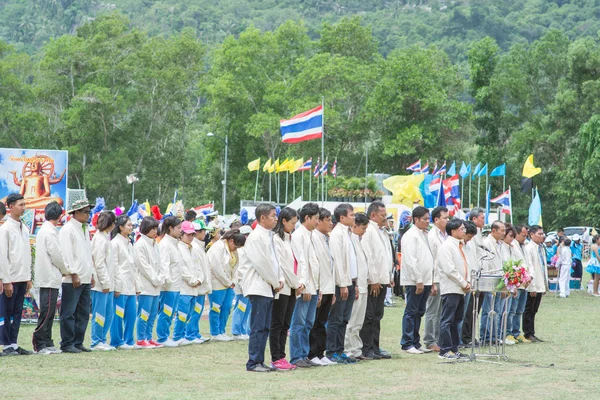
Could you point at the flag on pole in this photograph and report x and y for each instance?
(254, 165)
(504, 200)
(281, 167)
(476, 170)
(500, 170)
(307, 166)
(435, 169)
(324, 168)
(434, 185)
(483, 171)
(316, 173)
(267, 166)
(465, 170)
(442, 170)
(535, 210)
(415, 167)
(334, 168)
(425, 169)
(452, 194)
(305, 126)
(529, 171)
(131, 179)
(452, 170)
(297, 165)
(275, 166)
(205, 209)
(441, 197)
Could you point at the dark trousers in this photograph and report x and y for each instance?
(452, 312)
(467, 327)
(337, 322)
(74, 314)
(11, 309)
(260, 321)
(283, 308)
(577, 269)
(531, 308)
(413, 313)
(318, 333)
(42, 336)
(371, 329)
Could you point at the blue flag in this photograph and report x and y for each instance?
(133, 208)
(500, 170)
(483, 171)
(465, 170)
(441, 197)
(452, 170)
(476, 170)
(487, 204)
(535, 210)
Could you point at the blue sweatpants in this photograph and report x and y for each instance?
(168, 307)
(125, 315)
(220, 307)
(188, 316)
(102, 315)
(146, 315)
(240, 324)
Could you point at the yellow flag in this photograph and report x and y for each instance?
(297, 165)
(254, 165)
(267, 166)
(529, 171)
(289, 166)
(281, 167)
(405, 189)
(274, 166)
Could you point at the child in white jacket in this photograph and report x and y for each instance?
(565, 261)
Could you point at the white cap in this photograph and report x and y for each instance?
(548, 240)
(576, 237)
(245, 229)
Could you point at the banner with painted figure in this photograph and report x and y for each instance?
(39, 175)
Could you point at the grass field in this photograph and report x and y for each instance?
(566, 366)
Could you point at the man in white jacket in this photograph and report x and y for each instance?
(535, 258)
(49, 268)
(417, 278)
(376, 245)
(305, 309)
(261, 280)
(346, 273)
(76, 248)
(454, 278)
(437, 235)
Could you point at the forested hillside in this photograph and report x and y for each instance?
(135, 86)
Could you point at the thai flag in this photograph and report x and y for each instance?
(452, 194)
(334, 169)
(316, 173)
(205, 209)
(454, 183)
(305, 126)
(442, 170)
(425, 169)
(415, 167)
(504, 199)
(307, 166)
(434, 185)
(324, 168)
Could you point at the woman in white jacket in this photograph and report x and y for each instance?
(104, 276)
(206, 286)
(223, 260)
(170, 267)
(126, 286)
(188, 312)
(147, 261)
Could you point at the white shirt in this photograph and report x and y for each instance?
(105, 263)
(361, 265)
(191, 270)
(322, 257)
(494, 265)
(339, 243)
(222, 271)
(436, 237)
(15, 252)
(352, 262)
(261, 270)
(76, 248)
(417, 259)
(147, 261)
(377, 247)
(126, 279)
(453, 268)
(537, 268)
(170, 263)
(285, 258)
(198, 248)
(49, 264)
(303, 248)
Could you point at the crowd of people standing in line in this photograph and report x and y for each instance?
(323, 278)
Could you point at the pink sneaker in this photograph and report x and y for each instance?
(144, 344)
(155, 344)
(287, 364)
(283, 365)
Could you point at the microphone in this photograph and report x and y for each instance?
(484, 248)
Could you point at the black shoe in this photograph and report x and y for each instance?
(302, 364)
(259, 368)
(461, 355)
(83, 348)
(22, 352)
(364, 358)
(386, 355)
(71, 349)
(9, 351)
(374, 356)
(534, 339)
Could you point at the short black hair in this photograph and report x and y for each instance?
(471, 228)
(13, 198)
(324, 213)
(453, 225)
(190, 215)
(168, 223)
(148, 223)
(475, 213)
(53, 211)
(520, 227)
(560, 230)
(567, 242)
(534, 228)
(361, 219)
(497, 225)
(308, 210)
(238, 238)
(437, 212)
(105, 220)
(263, 209)
(374, 207)
(121, 222)
(342, 211)
(419, 212)
(2, 209)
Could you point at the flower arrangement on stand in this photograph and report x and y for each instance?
(515, 276)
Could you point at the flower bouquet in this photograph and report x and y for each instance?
(515, 276)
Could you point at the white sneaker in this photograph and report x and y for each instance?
(45, 351)
(424, 349)
(246, 337)
(326, 361)
(198, 341)
(509, 342)
(102, 347)
(237, 337)
(185, 342)
(413, 350)
(222, 338)
(168, 343)
(54, 350)
(125, 347)
(317, 361)
(137, 347)
(226, 337)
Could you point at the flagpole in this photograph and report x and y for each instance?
(366, 173)
(287, 178)
(269, 186)
(294, 184)
(504, 184)
(469, 177)
(510, 200)
(310, 186)
(462, 189)
(302, 189)
(486, 178)
(323, 146)
(278, 185)
(478, 188)
(256, 186)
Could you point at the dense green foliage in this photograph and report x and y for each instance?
(137, 91)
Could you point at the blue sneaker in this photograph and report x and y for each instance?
(347, 360)
(335, 357)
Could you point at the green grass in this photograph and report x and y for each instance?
(566, 366)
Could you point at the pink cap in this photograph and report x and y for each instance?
(187, 227)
